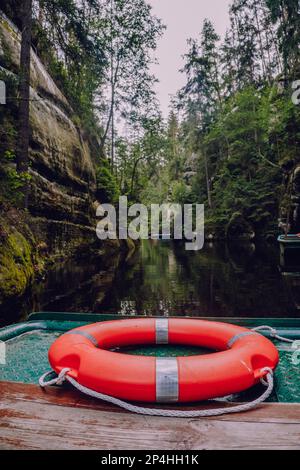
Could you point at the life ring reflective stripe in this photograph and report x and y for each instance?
(236, 366)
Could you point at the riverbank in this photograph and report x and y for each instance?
(32, 248)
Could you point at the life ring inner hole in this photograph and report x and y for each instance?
(163, 350)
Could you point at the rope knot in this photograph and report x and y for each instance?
(269, 376)
(62, 376)
(59, 380)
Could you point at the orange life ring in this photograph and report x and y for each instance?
(236, 366)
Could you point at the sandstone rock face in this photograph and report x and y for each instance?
(63, 175)
(63, 181)
(62, 216)
(62, 201)
(190, 169)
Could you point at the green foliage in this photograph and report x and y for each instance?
(131, 34)
(181, 193)
(239, 117)
(246, 169)
(140, 162)
(16, 181)
(8, 114)
(12, 182)
(286, 14)
(9, 156)
(107, 186)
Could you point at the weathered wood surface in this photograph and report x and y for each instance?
(59, 418)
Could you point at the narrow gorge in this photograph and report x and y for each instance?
(61, 215)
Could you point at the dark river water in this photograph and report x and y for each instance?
(162, 278)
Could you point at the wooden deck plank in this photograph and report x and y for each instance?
(67, 396)
(31, 418)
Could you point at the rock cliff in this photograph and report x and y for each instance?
(62, 171)
(61, 216)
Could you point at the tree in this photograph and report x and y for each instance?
(24, 87)
(140, 155)
(201, 97)
(245, 42)
(173, 146)
(71, 43)
(231, 105)
(201, 68)
(132, 33)
(286, 16)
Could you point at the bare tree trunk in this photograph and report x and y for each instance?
(262, 53)
(133, 174)
(108, 123)
(41, 15)
(24, 91)
(114, 70)
(207, 181)
(24, 87)
(111, 115)
(113, 128)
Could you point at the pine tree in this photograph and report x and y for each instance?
(203, 82)
(202, 94)
(286, 15)
(245, 42)
(173, 146)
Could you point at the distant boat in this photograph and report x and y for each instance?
(289, 252)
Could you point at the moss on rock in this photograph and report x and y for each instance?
(16, 265)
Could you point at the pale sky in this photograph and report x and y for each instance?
(184, 19)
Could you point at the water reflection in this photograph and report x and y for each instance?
(162, 278)
(220, 280)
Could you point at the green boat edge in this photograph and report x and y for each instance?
(291, 239)
(60, 321)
